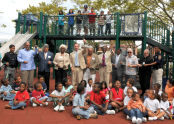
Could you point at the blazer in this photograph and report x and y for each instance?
(57, 61)
(93, 64)
(80, 57)
(43, 63)
(121, 59)
(107, 61)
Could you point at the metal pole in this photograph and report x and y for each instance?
(117, 44)
(167, 56)
(144, 33)
(24, 25)
(173, 51)
(18, 23)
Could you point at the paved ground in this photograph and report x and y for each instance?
(46, 115)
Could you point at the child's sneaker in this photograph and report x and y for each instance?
(134, 120)
(139, 120)
(62, 108)
(34, 104)
(162, 118)
(57, 108)
(95, 116)
(79, 117)
(110, 112)
(144, 119)
(127, 117)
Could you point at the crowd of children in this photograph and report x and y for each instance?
(90, 100)
(86, 19)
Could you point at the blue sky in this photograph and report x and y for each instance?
(9, 13)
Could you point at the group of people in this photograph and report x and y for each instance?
(87, 20)
(88, 96)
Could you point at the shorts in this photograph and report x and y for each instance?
(91, 26)
(78, 26)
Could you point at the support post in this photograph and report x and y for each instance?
(40, 28)
(18, 23)
(118, 25)
(45, 28)
(167, 56)
(24, 24)
(173, 52)
(144, 33)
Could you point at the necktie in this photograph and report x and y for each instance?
(103, 60)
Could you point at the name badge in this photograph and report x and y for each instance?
(93, 58)
(49, 57)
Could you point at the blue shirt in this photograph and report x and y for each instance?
(70, 19)
(79, 100)
(6, 89)
(60, 19)
(68, 90)
(27, 55)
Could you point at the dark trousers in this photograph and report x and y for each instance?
(108, 28)
(46, 75)
(61, 29)
(60, 74)
(145, 81)
(117, 75)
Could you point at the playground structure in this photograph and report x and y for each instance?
(43, 28)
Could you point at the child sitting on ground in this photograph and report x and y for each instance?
(83, 83)
(58, 97)
(126, 100)
(21, 99)
(130, 84)
(116, 96)
(158, 92)
(136, 109)
(146, 95)
(89, 86)
(100, 104)
(42, 81)
(73, 93)
(165, 106)
(169, 89)
(80, 109)
(153, 107)
(16, 83)
(105, 89)
(38, 96)
(6, 92)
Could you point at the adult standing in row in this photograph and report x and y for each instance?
(45, 61)
(91, 61)
(77, 63)
(11, 64)
(26, 58)
(105, 65)
(145, 71)
(61, 62)
(85, 14)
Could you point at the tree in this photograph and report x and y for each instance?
(161, 9)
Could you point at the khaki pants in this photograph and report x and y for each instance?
(27, 77)
(157, 76)
(77, 75)
(104, 75)
(87, 74)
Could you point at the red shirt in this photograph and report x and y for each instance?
(37, 94)
(117, 96)
(98, 98)
(92, 18)
(22, 96)
(105, 90)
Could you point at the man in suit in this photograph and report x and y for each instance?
(105, 65)
(91, 61)
(118, 61)
(45, 60)
(77, 63)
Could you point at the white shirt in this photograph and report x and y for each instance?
(45, 55)
(88, 88)
(126, 100)
(57, 93)
(108, 18)
(159, 93)
(117, 57)
(125, 90)
(153, 105)
(164, 105)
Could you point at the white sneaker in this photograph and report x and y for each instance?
(150, 118)
(139, 120)
(46, 103)
(144, 119)
(110, 112)
(162, 118)
(154, 118)
(34, 104)
(134, 120)
(57, 108)
(62, 108)
(127, 117)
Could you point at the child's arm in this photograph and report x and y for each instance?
(54, 96)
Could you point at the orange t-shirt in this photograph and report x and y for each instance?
(170, 92)
(136, 104)
(88, 59)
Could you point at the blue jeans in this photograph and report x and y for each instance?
(99, 110)
(82, 112)
(9, 96)
(21, 104)
(126, 112)
(70, 29)
(100, 29)
(136, 113)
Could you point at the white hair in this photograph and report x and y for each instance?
(129, 49)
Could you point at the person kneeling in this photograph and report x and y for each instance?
(80, 108)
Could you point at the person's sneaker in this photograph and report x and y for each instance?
(162, 118)
(127, 117)
(154, 118)
(79, 117)
(150, 118)
(139, 120)
(41, 104)
(95, 116)
(57, 108)
(34, 104)
(110, 112)
(62, 108)
(134, 120)
(95, 112)
(46, 103)
(144, 119)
